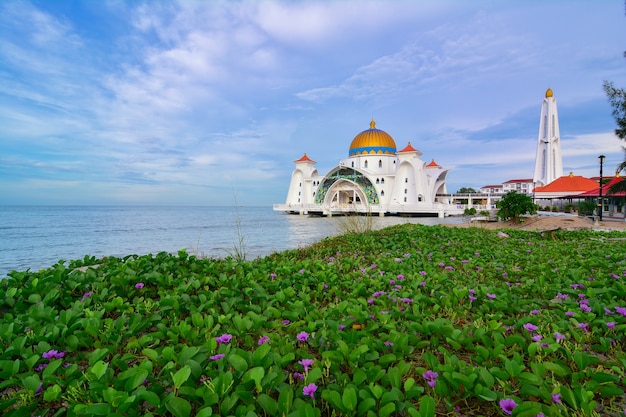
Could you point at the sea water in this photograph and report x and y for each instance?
(37, 237)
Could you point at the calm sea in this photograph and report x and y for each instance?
(37, 237)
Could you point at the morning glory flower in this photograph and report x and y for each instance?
(263, 339)
(491, 296)
(225, 338)
(556, 398)
(217, 357)
(431, 378)
(558, 336)
(610, 324)
(621, 311)
(303, 336)
(530, 327)
(507, 405)
(310, 390)
(306, 363)
(139, 285)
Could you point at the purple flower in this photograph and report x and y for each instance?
(558, 336)
(272, 275)
(388, 343)
(431, 378)
(39, 389)
(491, 296)
(562, 296)
(310, 390)
(303, 336)
(85, 295)
(139, 285)
(545, 345)
(263, 339)
(610, 324)
(217, 357)
(302, 271)
(342, 326)
(370, 301)
(507, 405)
(53, 354)
(535, 312)
(556, 398)
(585, 308)
(472, 298)
(225, 338)
(422, 272)
(607, 311)
(298, 375)
(621, 311)
(537, 337)
(286, 322)
(530, 327)
(41, 367)
(583, 326)
(569, 313)
(306, 363)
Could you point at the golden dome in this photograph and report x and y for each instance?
(372, 141)
(548, 93)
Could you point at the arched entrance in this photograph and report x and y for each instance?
(346, 196)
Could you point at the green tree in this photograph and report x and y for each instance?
(617, 98)
(466, 190)
(514, 205)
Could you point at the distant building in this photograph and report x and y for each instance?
(565, 186)
(375, 178)
(492, 189)
(548, 160)
(524, 186)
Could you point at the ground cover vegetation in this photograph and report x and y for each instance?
(406, 321)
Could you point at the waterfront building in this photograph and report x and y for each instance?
(548, 160)
(375, 178)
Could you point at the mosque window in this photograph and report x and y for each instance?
(377, 180)
(545, 127)
(298, 192)
(352, 164)
(405, 191)
(404, 199)
(298, 200)
(382, 193)
(419, 198)
(380, 163)
(406, 180)
(366, 163)
(300, 184)
(382, 180)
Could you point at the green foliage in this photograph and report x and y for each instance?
(469, 211)
(586, 207)
(466, 190)
(617, 98)
(380, 309)
(513, 205)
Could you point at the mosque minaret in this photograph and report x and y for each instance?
(548, 161)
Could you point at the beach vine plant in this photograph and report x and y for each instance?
(409, 320)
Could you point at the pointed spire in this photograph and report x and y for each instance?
(372, 123)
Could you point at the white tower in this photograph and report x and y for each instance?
(548, 162)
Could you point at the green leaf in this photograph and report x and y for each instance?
(285, 399)
(179, 407)
(269, 405)
(386, 410)
(238, 363)
(98, 409)
(99, 369)
(348, 398)
(255, 374)
(52, 393)
(181, 376)
(205, 412)
(427, 406)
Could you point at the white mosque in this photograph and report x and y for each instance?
(376, 178)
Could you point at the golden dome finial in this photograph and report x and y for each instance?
(548, 93)
(571, 174)
(372, 124)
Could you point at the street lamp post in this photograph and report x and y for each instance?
(600, 202)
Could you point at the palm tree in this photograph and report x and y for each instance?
(617, 98)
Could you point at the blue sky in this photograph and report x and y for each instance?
(210, 102)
